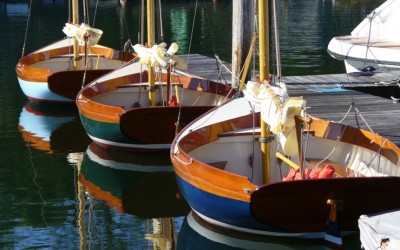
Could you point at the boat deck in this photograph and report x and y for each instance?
(330, 96)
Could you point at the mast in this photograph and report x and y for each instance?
(150, 41)
(75, 21)
(264, 76)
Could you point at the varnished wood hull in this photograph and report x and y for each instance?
(43, 75)
(116, 113)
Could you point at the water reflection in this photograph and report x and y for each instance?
(16, 9)
(197, 234)
(52, 128)
(142, 185)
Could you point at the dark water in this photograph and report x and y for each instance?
(59, 192)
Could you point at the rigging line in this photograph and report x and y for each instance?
(161, 21)
(86, 63)
(85, 16)
(306, 143)
(39, 188)
(338, 32)
(333, 149)
(160, 86)
(180, 102)
(208, 22)
(277, 44)
(369, 35)
(69, 11)
(141, 24)
(359, 113)
(95, 13)
(377, 153)
(90, 216)
(126, 25)
(253, 143)
(191, 34)
(347, 113)
(26, 30)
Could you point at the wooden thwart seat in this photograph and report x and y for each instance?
(241, 132)
(145, 84)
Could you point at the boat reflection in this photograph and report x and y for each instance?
(198, 234)
(141, 184)
(52, 128)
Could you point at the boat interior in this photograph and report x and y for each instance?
(60, 59)
(239, 152)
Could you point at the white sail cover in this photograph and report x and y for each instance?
(158, 55)
(383, 22)
(80, 32)
(278, 111)
(380, 231)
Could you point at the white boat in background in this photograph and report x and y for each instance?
(374, 45)
(380, 231)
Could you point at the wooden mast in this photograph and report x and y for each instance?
(75, 21)
(264, 76)
(150, 42)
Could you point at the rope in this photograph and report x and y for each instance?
(347, 113)
(359, 113)
(333, 149)
(26, 30)
(352, 105)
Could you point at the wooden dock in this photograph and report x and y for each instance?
(331, 96)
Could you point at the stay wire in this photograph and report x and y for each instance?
(95, 13)
(208, 23)
(191, 33)
(26, 30)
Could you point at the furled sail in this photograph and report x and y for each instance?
(278, 111)
(82, 33)
(158, 55)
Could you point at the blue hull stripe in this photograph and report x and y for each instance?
(221, 209)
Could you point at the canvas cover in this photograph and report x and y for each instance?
(380, 231)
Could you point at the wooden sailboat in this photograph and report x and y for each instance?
(56, 72)
(260, 164)
(143, 111)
